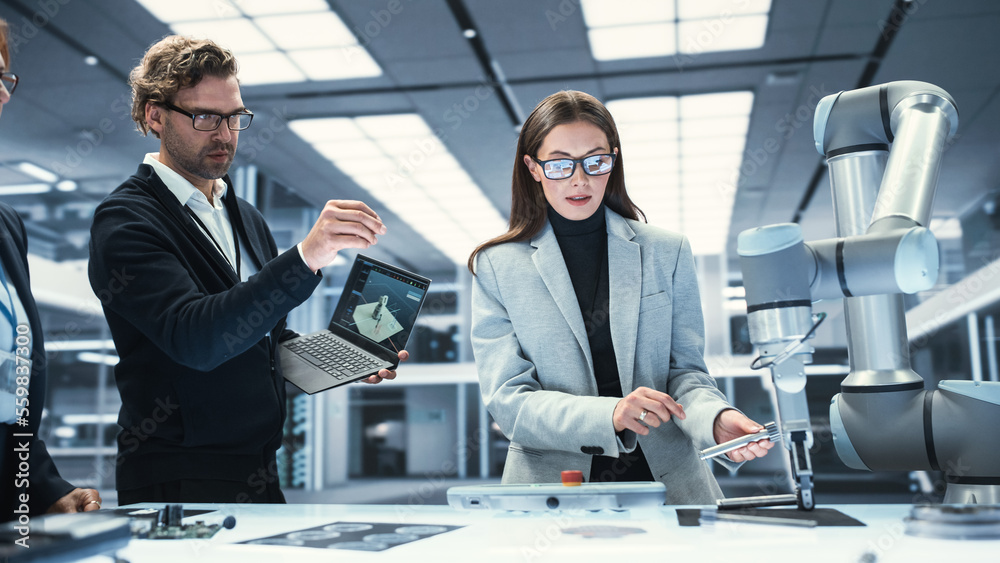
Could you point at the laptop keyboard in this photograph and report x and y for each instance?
(333, 355)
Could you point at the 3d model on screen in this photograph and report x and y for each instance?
(375, 321)
(377, 313)
(883, 419)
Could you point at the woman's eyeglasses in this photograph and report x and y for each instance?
(562, 168)
(10, 81)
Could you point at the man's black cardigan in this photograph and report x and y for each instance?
(202, 392)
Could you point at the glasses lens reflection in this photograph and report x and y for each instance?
(9, 82)
(240, 121)
(559, 169)
(596, 165)
(207, 122)
(211, 121)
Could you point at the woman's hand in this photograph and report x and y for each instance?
(643, 408)
(731, 424)
(77, 500)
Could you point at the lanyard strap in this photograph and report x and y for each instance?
(8, 313)
(236, 241)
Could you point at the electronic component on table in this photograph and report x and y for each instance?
(168, 526)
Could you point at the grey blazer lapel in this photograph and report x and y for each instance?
(551, 268)
(625, 281)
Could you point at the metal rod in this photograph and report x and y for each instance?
(462, 430)
(755, 519)
(975, 357)
(770, 432)
(757, 502)
(484, 439)
(991, 348)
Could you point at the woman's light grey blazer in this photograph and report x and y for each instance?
(536, 373)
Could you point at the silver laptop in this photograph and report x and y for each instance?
(370, 325)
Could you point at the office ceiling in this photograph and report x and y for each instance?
(72, 118)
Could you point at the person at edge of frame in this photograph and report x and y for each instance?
(31, 482)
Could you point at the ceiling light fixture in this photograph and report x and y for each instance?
(652, 28)
(37, 172)
(24, 189)
(399, 160)
(683, 158)
(97, 358)
(275, 42)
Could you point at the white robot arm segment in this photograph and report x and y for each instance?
(883, 419)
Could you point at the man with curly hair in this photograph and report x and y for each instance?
(196, 294)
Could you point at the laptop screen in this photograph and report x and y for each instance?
(380, 302)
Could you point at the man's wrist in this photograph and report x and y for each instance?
(303, 257)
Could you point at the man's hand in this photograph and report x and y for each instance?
(342, 224)
(643, 408)
(78, 500)
(731, 424)
(387, 374)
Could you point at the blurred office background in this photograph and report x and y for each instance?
(414, 107)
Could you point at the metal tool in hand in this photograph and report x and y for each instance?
(770, 432)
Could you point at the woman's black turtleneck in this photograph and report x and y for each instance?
(584, 246)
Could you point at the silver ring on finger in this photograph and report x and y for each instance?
(642, 415)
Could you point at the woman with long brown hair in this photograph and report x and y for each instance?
(587, 325)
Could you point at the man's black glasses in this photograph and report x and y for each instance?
(10, 81)
(562, 168)
(210, 121)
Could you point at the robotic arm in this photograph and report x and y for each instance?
(883, 419)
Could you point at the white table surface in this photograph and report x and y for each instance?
(503, 536)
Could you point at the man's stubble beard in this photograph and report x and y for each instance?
(197, 164)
